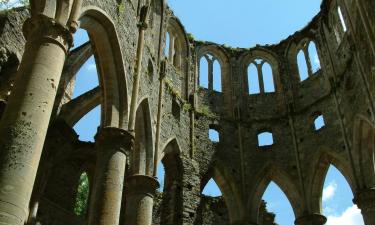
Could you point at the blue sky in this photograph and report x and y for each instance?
(242, 23)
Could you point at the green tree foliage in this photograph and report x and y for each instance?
(82, 195)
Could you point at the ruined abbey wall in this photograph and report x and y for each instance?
(174, 115)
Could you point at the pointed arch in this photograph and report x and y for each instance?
(109, 59)
(143, 154)
(222, 57)
(268, 174)
(269, 69)
(172, 202)
(253, 79)
(364, 151)
(228, 187)
(179, 52)
(203, 72)
(303, 64)
(322, 161)
(314, 57)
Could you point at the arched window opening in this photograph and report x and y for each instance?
(268, 81)
(319, 122)
(342, 20)
(213, 135)
(260, 77)
(278, 203)
(314, 57)
(212, 189)
(80, 208)
(265, 139)
(302, 66)
(161, 176)
(169, 175)
(79, 38)
(167, 44)
(86, 78)
(87, 127)
(253, 79)
(210, 73)
(217, 76)
(142, 155)
(337, 200)
(203, 72)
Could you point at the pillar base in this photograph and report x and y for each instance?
(313, 219)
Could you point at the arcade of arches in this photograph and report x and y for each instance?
(242, 118)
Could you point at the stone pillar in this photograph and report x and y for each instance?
(113, 146)
(25, 120)
(210, 73)
(365, 201)
(313, 219)
(141, 191)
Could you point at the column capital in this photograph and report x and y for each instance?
(365, 199)
(116, 138)
(142, 184)
(41, 28)
(312, 219)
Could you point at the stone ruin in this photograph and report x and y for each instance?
(154, 111)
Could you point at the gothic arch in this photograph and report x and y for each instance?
(322, 161)
(180, 52)
(268, 174)
(227, 185)
(108, 57)
(172, 202)
(143, 155)
(364, 151)
(170, 146)
(270, 57)
(226, 72)
(295, 47)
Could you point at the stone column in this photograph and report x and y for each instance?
(141, 191)
(25, 121)
(313, 219)
(365, 201)
(210, 73)
(113, 146)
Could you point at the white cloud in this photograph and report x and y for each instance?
(91, 67)
(351, 216)
(329, 191)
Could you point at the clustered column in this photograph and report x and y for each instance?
(366, 202)
(114, 146)
(25, 121)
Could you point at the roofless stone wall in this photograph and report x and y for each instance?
(154, 110)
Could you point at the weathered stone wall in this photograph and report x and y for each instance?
(342, 91)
